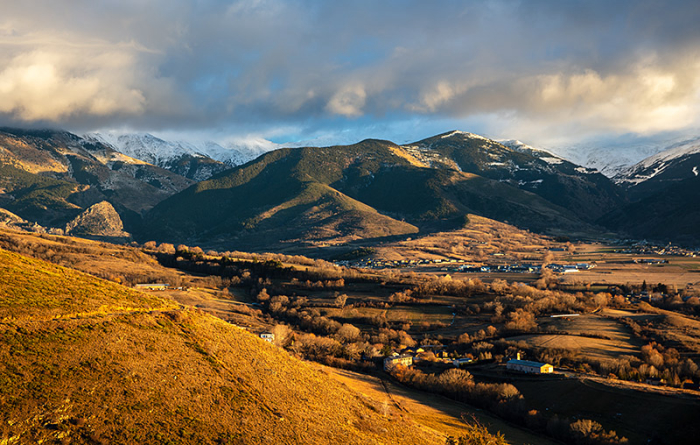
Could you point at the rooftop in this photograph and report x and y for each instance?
(525, 363)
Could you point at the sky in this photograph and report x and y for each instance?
(546, 72)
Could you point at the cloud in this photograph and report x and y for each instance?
(348, 101)
(538, 67)
(41, 85)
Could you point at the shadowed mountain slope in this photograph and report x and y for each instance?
(673, 213)
(585, 192)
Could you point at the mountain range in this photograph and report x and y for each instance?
(197, 161)
(260, 196)
(51, 176)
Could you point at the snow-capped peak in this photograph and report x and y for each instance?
(157, 151)
(521, 146)
(463, 133)
(546, 156)
(674, 151)
(656, 164)
(143, 146)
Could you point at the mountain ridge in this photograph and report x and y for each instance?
(373, 177)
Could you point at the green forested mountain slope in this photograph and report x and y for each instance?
(368, 190)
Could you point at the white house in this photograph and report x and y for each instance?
(267, 336)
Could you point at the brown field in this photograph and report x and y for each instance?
(682, 332)
(623, 273)
(593, 348)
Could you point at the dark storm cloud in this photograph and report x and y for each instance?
(530, 66)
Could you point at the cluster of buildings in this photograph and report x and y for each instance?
(644, 248)
(407, 359)
(409, 356)
(368, 263)
(525, 268)
(501, 268)
(569, 268)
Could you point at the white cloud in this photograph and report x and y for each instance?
(348, 101)
(44, 85)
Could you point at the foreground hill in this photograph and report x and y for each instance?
(50, 176)
(87, 361)
(373, 189)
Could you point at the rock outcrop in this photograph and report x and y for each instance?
(99, 221)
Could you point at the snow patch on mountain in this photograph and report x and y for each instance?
(465, 134)
(656, 164)
(610, 160)
(517, 145)
(675, 151)
(552, 160)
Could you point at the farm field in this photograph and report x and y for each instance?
(593, 335)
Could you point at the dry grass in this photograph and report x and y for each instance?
(479, 239)
(105, 260)
(167, 376)
(33, 290)
(615, 339)
(591, 348)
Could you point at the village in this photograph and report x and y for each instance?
(458, 265)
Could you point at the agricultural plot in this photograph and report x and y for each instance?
(592, 335)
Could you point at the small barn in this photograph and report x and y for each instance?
(457, 363)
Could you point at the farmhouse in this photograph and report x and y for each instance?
(394, 360)
(528, 367)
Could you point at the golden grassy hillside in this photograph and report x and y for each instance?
(87, 361)
(34, 290)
